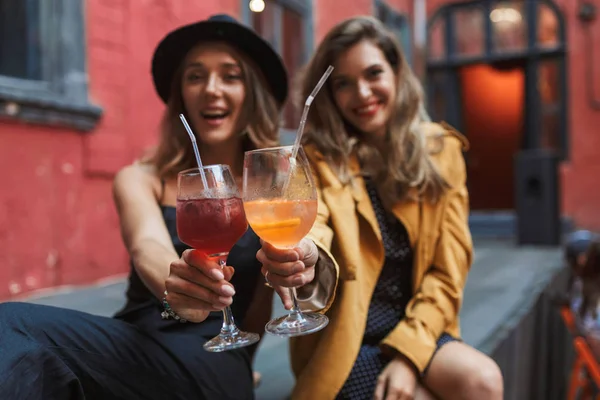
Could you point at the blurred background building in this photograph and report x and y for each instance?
(77, 104)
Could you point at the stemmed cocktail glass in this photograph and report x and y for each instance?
(211, 218)
(280, 201)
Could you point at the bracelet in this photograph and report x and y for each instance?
(168, 312)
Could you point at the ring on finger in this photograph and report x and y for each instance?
(268, 283)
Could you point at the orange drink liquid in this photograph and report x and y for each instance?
(283, 223)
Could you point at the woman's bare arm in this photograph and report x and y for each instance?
(142, 226)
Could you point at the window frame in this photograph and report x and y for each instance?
(533, 55)
(61, 98)
(305, 9)
(398, 19)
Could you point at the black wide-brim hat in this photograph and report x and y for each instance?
(171, 51)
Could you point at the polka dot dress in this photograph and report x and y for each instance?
(392, 292)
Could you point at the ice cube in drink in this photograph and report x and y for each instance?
(212, 226)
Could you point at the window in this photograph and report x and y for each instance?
(20, 40)
(287, 25)
(510, 36)
(43, 77)
(397, 23)
(496, 72)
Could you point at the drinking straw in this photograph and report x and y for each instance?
(195, 145)
(307, 104)
(300, 130)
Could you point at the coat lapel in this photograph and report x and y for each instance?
(348, 204)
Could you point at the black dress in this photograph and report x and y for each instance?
(49, 353)
(388, 303)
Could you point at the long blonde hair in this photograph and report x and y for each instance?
(260, 120)
(406, 163)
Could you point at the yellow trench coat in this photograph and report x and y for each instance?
(348, 236)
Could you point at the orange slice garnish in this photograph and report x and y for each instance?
(286, 223)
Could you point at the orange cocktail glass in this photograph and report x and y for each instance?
(280, 200)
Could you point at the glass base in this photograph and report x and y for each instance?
(230, 341)
(295, 324)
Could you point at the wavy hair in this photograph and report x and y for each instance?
(406, 163)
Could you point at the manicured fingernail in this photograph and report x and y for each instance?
(298, 281)
(216, 274)
(224, 300)
(227, 290)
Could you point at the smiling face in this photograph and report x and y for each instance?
(364, 88)
(213, 92)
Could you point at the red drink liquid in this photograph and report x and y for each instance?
(212, 226)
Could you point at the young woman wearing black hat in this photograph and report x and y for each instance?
(231, 86)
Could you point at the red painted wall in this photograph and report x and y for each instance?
(581, 189)
(329, 13)
(58, 224)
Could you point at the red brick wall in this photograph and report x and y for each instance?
(329, 13)
(581, 175)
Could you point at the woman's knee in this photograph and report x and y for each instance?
(16, 329)
(484, 381)
(12, 314)
(22, 323)
(460, 371)
(11, 308)
(15, 343)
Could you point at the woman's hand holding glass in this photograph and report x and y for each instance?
(197, 285)
(287, 268)
(280, 201)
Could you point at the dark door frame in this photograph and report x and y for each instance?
(500, 223)
(532, 55)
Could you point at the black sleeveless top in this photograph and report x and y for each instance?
(242, 257)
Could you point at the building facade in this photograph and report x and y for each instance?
(77, 104)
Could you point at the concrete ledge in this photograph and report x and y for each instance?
(502, 224)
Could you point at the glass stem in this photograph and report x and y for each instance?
(295, 311)
(228, 327)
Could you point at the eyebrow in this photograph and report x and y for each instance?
(222, 65)
(342, 76)
(336, 77)
(374, 65)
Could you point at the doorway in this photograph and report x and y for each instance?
(493, 102)
(495, 70)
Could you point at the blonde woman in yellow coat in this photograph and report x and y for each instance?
(391, 243)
